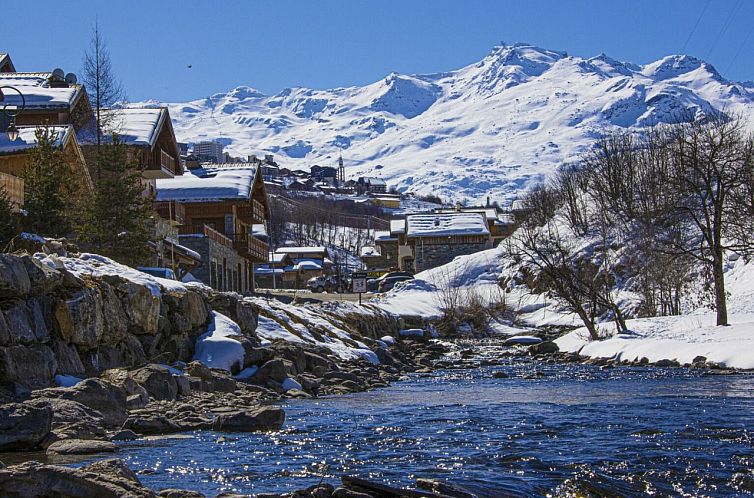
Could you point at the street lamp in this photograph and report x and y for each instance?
(12, 111)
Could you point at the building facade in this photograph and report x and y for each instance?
(209, 151)
(220, 205)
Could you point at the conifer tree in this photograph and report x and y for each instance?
(8, 220)
(50, 189)
(116, 220)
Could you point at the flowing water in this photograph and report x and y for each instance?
(546, 429)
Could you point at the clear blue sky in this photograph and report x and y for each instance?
(274, 44)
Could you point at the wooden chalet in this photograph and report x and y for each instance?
(49, 100)
(219, 204)
(6, 65)
(148, 134)
(15, 156)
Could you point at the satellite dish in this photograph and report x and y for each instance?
(71, 79)
(58, 74)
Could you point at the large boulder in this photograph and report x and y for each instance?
(80, 320)
(116, 320)
(23, 426)
(136, 395)
(157, 380)
(26, 323)
(267, 418)
(14, 279)
(80, 447)
(187, 311)
(254, 355)
(142, 307)
(547, 347)
(128, 352)
(67, 358)
(28, 366)
(246, 316)
(71, 419)
(42, 278)
(102, 396)
(277, 370)
(102, 479)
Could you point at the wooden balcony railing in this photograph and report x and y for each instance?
(258, 211)
(250, 247)
(207, 232)
(167, 161)
(253, 213)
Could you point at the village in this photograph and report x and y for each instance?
(213, 212)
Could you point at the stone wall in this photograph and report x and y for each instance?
(220, 264)
(55, 323)
(432, 255)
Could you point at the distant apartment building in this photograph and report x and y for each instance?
(210, 152)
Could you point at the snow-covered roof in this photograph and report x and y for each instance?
(489, 213)
(506, 219)
(276, 257)
(136, 126)
(24, 79)
(259, 229)
(266, 270)
(36, 96)
(397, 226)
(439, 225)
(307, 264)
(382, 235)
(5, 59)
(518, 205)
(222, 185)
(368, 251)
(27, 138)
(374, 181)
(301, 250)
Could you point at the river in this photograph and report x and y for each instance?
(546, 429)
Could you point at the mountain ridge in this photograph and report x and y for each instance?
(489, 128)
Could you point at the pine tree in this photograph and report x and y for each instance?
(8, 220)
(50, 189)
(116, 220)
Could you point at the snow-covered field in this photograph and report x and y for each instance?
(491, 128)
(680, 338)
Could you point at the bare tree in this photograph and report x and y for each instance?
(712, 168)
(101, 82)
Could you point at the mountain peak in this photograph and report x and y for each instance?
(490, 128)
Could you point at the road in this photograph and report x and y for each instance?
(314, 296)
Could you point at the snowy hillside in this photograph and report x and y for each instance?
(489, 128)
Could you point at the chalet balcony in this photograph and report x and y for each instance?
(205, 231)
(250, 247)
(172, 211)
(251, 214)
(161, 165)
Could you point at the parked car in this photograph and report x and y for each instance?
(326, 283)
(158, 272)
(389, 282)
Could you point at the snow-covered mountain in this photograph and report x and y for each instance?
(488, 129)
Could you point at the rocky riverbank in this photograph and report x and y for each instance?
(92, 353)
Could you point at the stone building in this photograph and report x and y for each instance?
(423, 241)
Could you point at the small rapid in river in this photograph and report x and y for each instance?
(521, 428)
